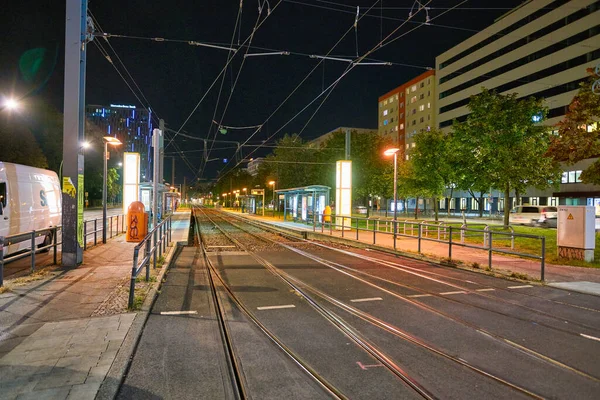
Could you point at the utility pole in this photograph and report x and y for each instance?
(348, 140)
(173, 170)
(156, 134)
(76, 28)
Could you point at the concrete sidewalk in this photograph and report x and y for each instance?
(60, 335)
(578, 279)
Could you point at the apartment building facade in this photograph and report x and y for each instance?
(407, 110)
(542, 49)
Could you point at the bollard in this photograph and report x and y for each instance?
(32, 251)
(133, 276)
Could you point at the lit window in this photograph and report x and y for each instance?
(428, 105)
(413, 88)
(422, 107)
(385, 121)
(401, 126)
(396, 97)
(396, 128)
(577, 176)
(407, 146)
(407, 157)
(571, 176)
(565, 178)
(413, 144)
(385, 102)
(385, 112)
(413, 99)
(392, 99)
(407, 91)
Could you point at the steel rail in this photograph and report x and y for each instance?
(323, 383)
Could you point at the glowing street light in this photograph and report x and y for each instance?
(113, 141)
(11, 104)
(394, 151)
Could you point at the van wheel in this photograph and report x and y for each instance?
(47, 242)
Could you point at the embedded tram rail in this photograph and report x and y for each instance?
(318, 320)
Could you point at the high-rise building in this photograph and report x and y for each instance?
(131, 125)
(407, 110)
(542, 49)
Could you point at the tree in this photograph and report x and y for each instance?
(433, 167)
(578, 133)
(113, 188)
(503, 146)
(18, 145)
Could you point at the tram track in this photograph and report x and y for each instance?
(296, 284)
(500, 338)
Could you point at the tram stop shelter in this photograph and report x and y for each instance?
(253, 203)
(302, 202)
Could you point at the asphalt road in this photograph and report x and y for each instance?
(370, 325)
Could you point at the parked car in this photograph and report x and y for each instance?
(534, 215)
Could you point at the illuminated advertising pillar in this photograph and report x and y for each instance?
(343, 192)
(131, 179)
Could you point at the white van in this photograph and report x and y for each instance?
(30, 199)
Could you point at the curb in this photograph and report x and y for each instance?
(116, 374)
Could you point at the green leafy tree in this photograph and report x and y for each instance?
(578, 133)
(433, 164)
(18, 145)
(503, 146)
(113, 186)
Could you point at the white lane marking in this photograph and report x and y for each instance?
(178, 312)
(367, 299)
(590, 337)
(419, 295)
(485, 290)
(275, 307)
(457, 292)
(519, 287)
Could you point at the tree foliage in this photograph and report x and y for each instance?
(575, 142)
(18, 145)
(501, 147)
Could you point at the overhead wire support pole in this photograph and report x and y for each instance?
(277, 53)
(331, 58)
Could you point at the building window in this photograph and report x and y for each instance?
(428, 117)
(421, 119)
(392, 99)
(413, 144)
(428, 81)
(401, 115)
(392, 120)
(407, 146)
(474, 205)
(428, 105)
(442, 204)
(401, 126)
(407, 91)
(422, 107)
(413, 99)
(414, 111)
(385, 121)
(422, 96)
(428, 93)
(413, 88)
(385, 112)
(422, 84)
(396, 128)
(463, 203)
(407, 157)
(396, 96)
(385, 102)
(534, 201)
(452, 203)
(414, 122)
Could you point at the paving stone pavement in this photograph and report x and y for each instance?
(63, 360)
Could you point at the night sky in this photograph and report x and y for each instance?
(174, 76)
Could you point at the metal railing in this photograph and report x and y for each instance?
(484, 239)
(153, 246)
(115, 225)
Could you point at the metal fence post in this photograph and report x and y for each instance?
(170, 222)
(543, 257)
(343, 220)
(420, 233)
(450, 245)
(32, 251)
(490, 251)
(84, 235)
(154, 250)
(54, 240)
(357, 221)
(111, 226)
(147, 256)
(132, 281)
(1, 261)
(394, 233)
(374, 231)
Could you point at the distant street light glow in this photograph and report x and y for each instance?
(11, 104)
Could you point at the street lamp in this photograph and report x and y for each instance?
(394, 152)
(272, 183)
(113, 141)
(11, 104)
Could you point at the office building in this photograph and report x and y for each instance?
(131, 125)
(407, 110)
(542, 49)
(254, 164)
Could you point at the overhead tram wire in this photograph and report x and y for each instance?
(147, 108)
(351, 66)
(215, 81)
(251, 37)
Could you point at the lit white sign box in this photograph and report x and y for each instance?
(131, 179)
(576, 230)
(343, 190)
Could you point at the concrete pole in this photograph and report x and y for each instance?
(347, 147)
(73, 132)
